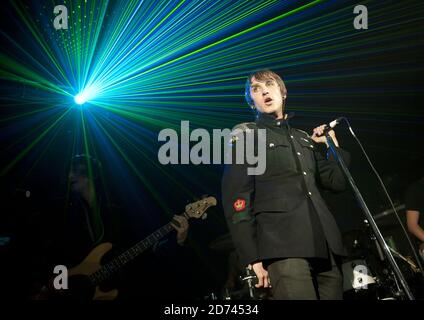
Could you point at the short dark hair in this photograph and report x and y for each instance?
(262, 75)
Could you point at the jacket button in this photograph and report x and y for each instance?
(298, 153)
(291, 137)
(304, 172)
(271, 145)
(310, 193)
(278, 123)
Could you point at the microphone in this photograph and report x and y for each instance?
(334, 123)
(331, 125)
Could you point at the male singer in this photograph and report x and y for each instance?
(279, 223)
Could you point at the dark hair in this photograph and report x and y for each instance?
(82, 164)
(262, 75)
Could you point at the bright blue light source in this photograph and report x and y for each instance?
(80, 98)
(85, 95)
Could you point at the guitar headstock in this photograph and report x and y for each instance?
(197, 209)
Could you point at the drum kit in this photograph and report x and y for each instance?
(366, 273)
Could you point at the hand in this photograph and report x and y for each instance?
(318, 136)
(182, 228)
(262, 274)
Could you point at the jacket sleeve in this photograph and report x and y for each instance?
(237, 192)
(330, 175)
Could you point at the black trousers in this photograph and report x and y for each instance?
(306, 279)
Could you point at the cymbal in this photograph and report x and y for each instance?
(390, 211)
(222, 243)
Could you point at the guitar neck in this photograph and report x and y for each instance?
(115, 264)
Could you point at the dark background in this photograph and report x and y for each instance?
(376, 85)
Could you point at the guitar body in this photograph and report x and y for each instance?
(90, 265)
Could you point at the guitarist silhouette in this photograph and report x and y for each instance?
(89, 221)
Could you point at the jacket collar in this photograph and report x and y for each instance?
(270, 119)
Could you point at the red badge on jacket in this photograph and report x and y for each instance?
(239, 205)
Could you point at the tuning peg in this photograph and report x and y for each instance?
(204, 196)
(204, 216)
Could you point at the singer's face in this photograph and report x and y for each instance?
(266, 96)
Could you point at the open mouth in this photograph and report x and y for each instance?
(268, 100)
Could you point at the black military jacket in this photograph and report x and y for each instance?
(281, 213)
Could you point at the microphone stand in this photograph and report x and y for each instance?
(379, 237)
